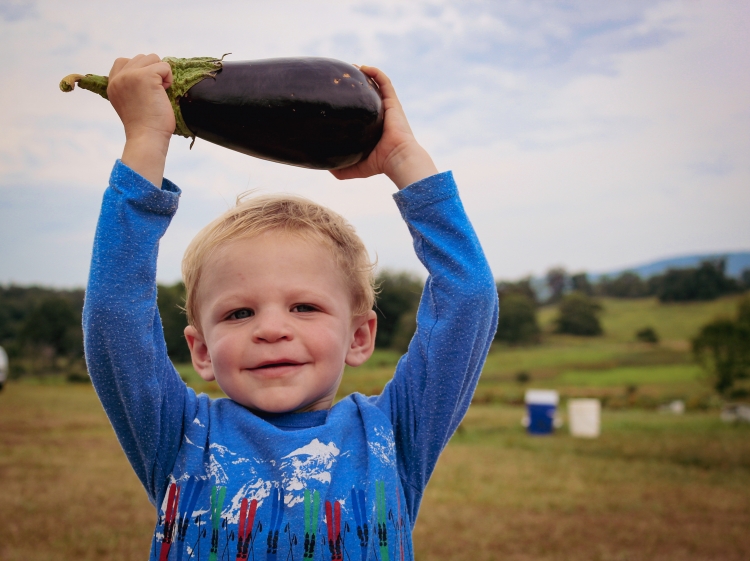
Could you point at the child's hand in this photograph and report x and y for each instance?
(137, 92)
(398, 155)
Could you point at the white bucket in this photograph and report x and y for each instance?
(584, 416)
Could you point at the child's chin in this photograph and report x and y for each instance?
(275, 404)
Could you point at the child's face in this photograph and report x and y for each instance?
(276, 324)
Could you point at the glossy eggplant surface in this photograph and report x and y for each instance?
(311, 112)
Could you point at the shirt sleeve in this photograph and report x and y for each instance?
(434, 381)
(126, 355)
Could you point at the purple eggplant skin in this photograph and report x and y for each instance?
(315, 113)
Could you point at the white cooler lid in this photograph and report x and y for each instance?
(542, 397)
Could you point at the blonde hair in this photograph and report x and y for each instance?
(288, 214)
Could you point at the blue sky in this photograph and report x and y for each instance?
(585, 134)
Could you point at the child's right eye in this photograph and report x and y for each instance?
(244, 313)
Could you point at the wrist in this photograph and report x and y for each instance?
(145, 136)
(145, 152)
(410, 165)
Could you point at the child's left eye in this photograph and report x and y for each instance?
(304, 308)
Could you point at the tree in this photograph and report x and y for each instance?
(522, 287)
(399, 294)
(580, 282)
(722, 347)
(54, 324)
(557, 279)
(706, 282)
(517, 323)
(625, 285)
(18, 302)
(173, 319)
(579, 315)
(404, 331)
(743, 312)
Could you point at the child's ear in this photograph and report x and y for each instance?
(363, 340)
(199, 353)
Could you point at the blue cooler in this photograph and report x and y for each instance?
(541, 406)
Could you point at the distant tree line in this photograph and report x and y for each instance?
(576, 294)
(40, 328)
(43, 326)
(707, 281)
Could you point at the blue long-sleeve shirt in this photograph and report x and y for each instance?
(325, 483)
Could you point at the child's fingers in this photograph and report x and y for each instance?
(165, 71)
(384, 83)
(152, 62)
(140, 61)
(118, 65)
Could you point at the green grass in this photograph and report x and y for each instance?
(638, 376)
(653, 486)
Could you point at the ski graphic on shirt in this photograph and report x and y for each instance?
(312, 511)
(360, 519)
(245, 536)
(246, 517)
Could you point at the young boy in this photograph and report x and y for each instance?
(279, 300)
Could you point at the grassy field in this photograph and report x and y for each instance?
(653, 486)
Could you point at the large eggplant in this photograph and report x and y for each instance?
(317, 113)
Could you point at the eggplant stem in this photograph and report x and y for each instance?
(91, 82)
(68, 84)
(186, 72)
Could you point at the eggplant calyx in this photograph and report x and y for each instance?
(186, 72)
(91, 82)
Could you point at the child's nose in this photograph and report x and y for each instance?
(271, 327)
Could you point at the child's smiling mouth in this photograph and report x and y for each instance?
(276, 367)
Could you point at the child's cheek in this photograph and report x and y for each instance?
(223, 353)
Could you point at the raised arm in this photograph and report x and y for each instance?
(457, 317)
(125, 351)
(456, 321)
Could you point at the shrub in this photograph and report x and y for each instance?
(579, 315)
(517, 323)
(723, 348)
(647, 335)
